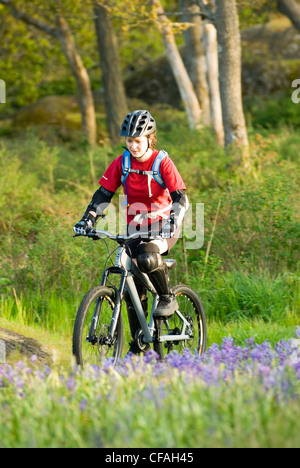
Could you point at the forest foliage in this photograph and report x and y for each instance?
(42, 69)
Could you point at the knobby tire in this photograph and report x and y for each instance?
(102, 298)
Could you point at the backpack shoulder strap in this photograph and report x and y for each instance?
(126, 164)
(156, 165)
(126, 167)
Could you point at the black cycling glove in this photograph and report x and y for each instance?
(85, 225)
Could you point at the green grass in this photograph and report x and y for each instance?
(58, 336)
(239, 295)
(243, 329)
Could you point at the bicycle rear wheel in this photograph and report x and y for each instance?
(191, 308)
(97, 306)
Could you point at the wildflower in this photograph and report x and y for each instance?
(250, 341)
(151, 357)
(296, 367)
(83, 404)
(71, 384)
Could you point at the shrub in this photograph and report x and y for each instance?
(239, 295)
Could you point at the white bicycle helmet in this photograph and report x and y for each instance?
(138, 123)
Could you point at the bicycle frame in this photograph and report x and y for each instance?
(125, 266)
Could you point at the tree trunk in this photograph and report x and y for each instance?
(185, 86)
(114, 91)
(86, 100)
(211, 48)
(195, 53)
(227, 24)
(291, 9)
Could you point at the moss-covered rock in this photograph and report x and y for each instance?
(15, 346)
(49, 110)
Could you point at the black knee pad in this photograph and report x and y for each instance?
(148, 258)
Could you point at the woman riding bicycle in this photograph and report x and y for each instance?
(156, 204)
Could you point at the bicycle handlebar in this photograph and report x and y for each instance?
(98, 234)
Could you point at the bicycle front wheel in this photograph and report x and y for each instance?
(190, 306)
(91, 328)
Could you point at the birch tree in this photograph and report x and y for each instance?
(185, 86)
(211, 50)
(195, 55)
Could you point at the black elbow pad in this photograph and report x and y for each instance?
(100, 201)
(101, 196)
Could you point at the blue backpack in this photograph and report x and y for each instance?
(126, 169)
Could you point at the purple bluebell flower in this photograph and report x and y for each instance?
(83, 404)
(71, 385)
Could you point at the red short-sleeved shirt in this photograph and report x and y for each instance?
(144, 194)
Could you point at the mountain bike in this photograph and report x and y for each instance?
(99, 327)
